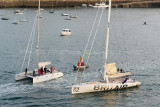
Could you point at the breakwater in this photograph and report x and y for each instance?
(62, 3)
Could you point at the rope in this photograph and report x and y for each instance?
(28, 46)
(94, 37)
(93, 42)
(32, 44)
(90, 34)
(88, 40)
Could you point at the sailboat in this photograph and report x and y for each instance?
(71, 16)
(65, 14)
(108, 83)
(41, 73)
(24, 19)
(4, 16)
(15, 22)
(52, 10)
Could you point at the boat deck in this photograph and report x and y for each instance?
(30, 75)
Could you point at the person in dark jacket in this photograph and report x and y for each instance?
(41, 70)
(26, 71)
(45, 69)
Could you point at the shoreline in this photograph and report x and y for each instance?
(73, 3)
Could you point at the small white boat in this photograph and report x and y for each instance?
(65, 32)
(41, 9)
(15, 22)
(84, 5)
(100, 5)
(64, 14)
(18, 12)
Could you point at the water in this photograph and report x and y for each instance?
(131, 42)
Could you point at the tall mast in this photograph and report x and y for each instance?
(107, 40)
(38, 36)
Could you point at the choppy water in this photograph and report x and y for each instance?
(131, 42)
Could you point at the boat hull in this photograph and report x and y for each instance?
(38, 78)
(22, 76)
(80, 67)
(97, 87)
(47, 77)
(65, 33)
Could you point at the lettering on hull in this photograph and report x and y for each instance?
(106, 87)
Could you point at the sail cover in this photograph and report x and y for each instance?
(44, 64)
(111, 69)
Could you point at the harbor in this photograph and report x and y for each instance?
(72, 3)
(96, 55)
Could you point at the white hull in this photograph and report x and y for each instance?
(64, 14)
(21, 76)
(47, 77)
(65, 33)
(98, 86)
(39, 78)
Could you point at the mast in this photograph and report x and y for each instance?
(38, 36)
(107, 40)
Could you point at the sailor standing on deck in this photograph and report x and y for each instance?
(45, 69)
(26, 71)
(51, 69)
(41, 70)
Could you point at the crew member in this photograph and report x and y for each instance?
(26, 71)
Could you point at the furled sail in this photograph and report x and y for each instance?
(111, 69)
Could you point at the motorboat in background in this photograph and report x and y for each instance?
(18, 12)
(99, 5)
(65, 32)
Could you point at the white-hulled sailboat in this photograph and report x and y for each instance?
(39, 75)
(109, 82)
